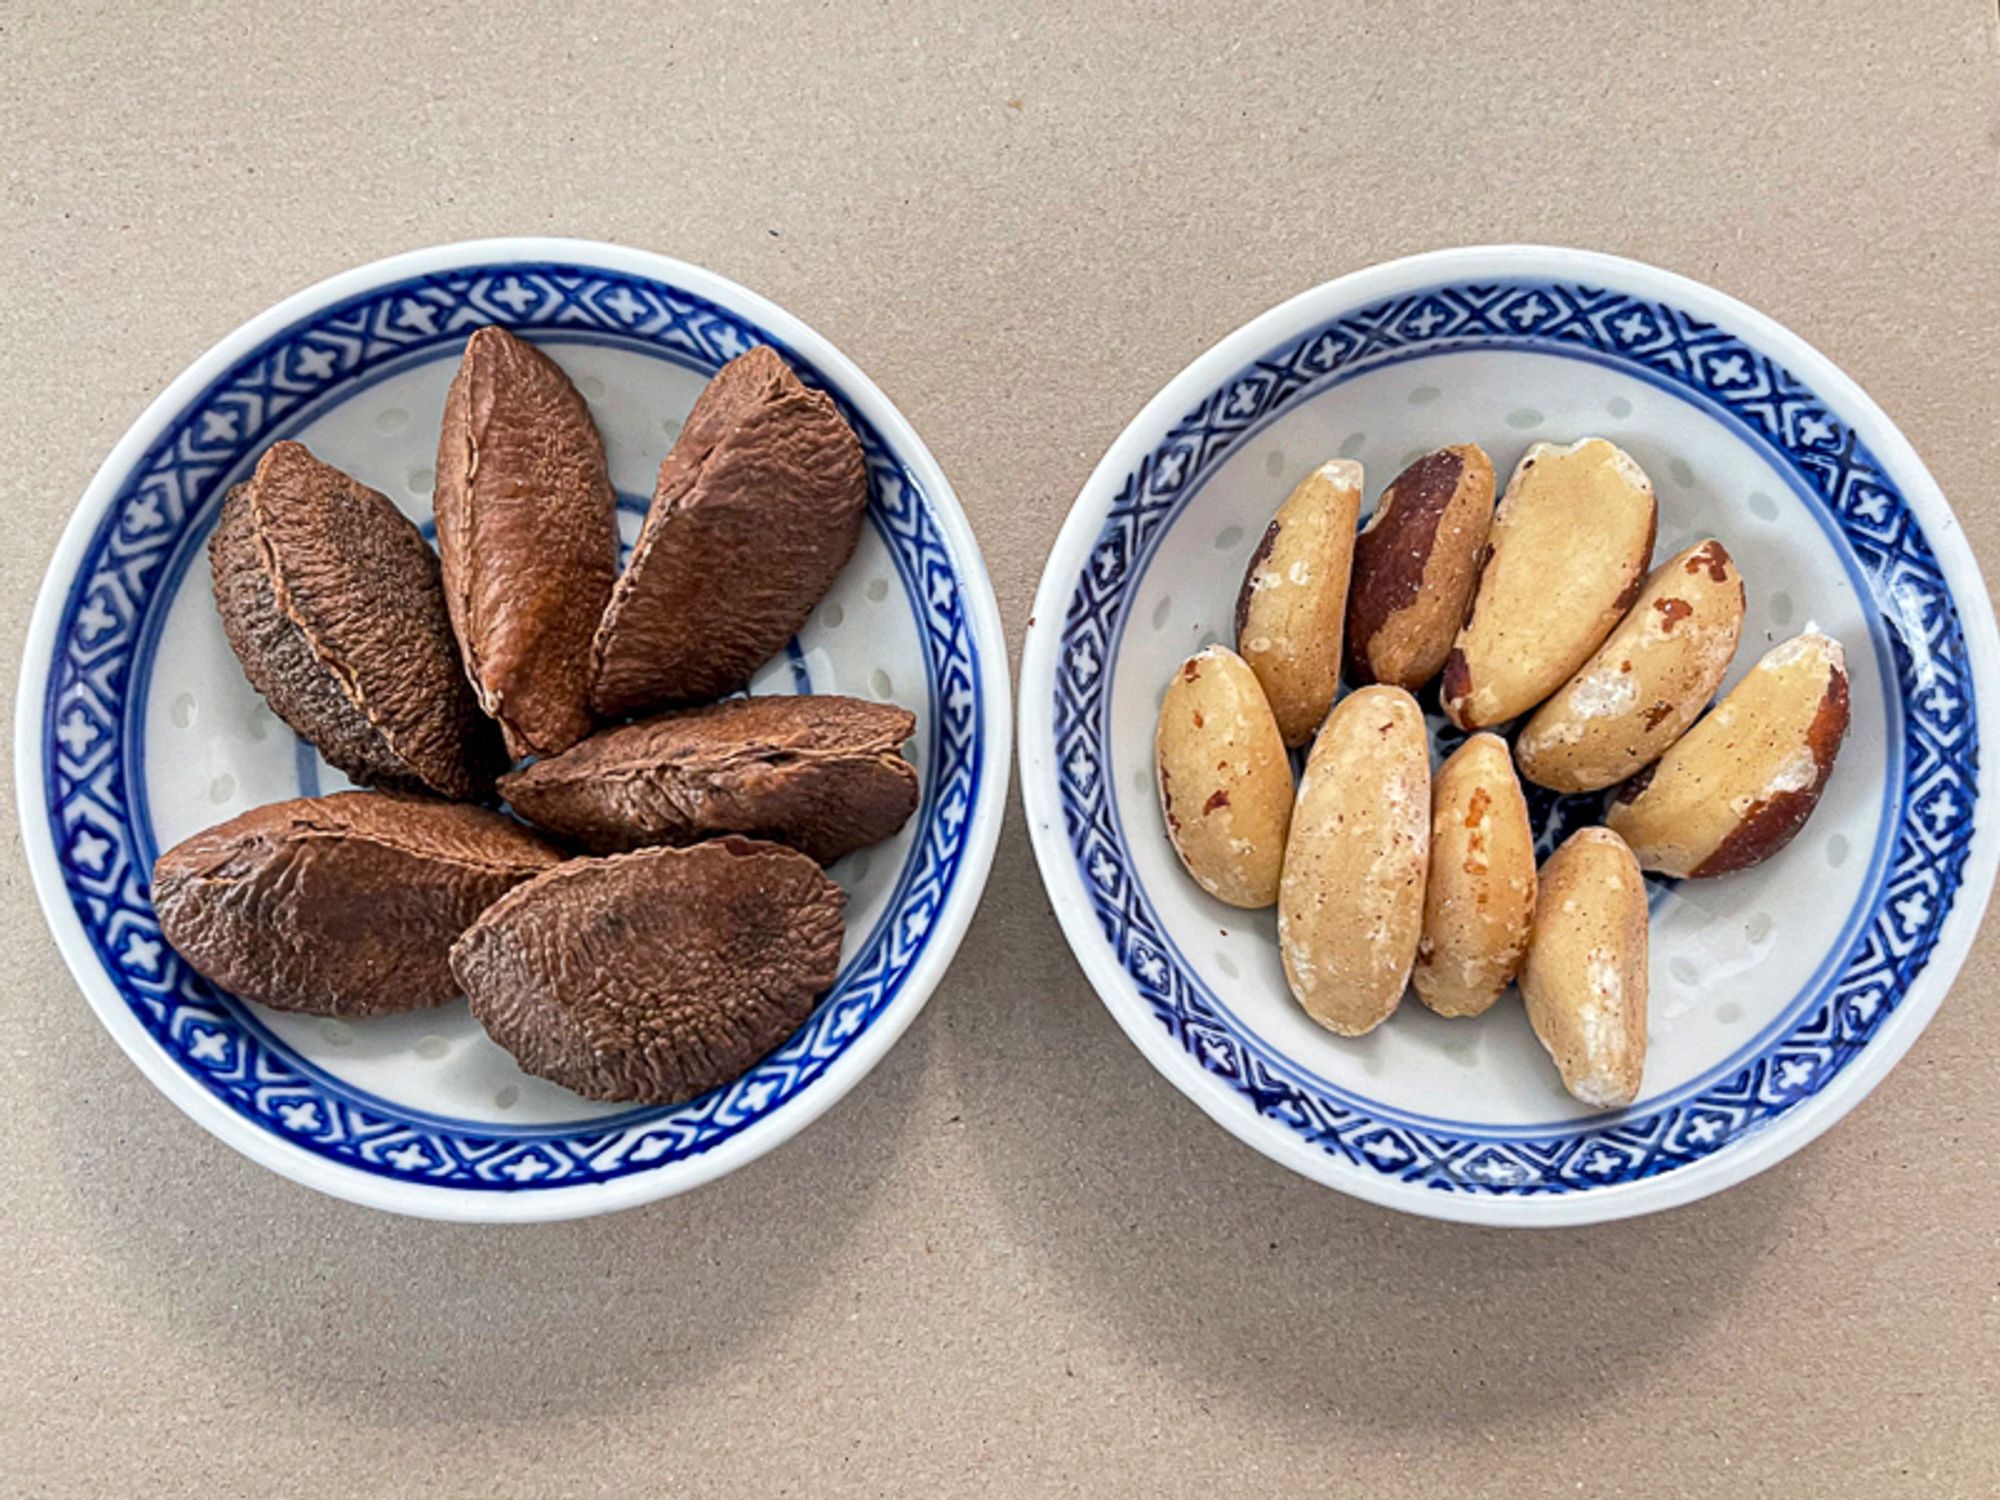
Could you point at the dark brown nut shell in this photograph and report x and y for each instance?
(332, 601)
(657, 975)
(1416, 564)
(822, 773)
(757, 509)
(345, 905)
(528, 534)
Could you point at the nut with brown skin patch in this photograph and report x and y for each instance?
(1479, 900)
(822, 773)
(657, 975)
(1566, 556)
(345, 905)
(757, 509)
(1225, 781)
(1738, 787)
(1416, 564)
(1351, 901)
(528, 535)
(1586, 979)
(333, 603)
(1647, 682)
(1293, 601)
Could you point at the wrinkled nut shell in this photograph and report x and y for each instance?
(1479, 900)
(1415, 566)
(657, 975)
(822, 773)
(1290, 609)
(528, 536)
(1647, 682)
(1351, 902)
(1569, 547)
(1739, 786)
(1585, 982)
(345, 905)
(1225, 781)
(333, 602)
(756, 510)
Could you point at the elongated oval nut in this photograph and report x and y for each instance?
(1416, 564)
(1290, 609)
(1225, 781)
(1479, 901)
(1737, 787)
(1569, 548)
(1351, 904)
(1647, 682)
(1586, 977)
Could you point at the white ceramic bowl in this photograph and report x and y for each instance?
(135, 728)
(1779, 995)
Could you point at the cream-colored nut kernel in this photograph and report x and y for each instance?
(1654, 673)
(1569, 547)
(1479, 902)
(1586, 977)
(1737, 787)
(1225, 780)
(1294, 598)
(1351, 904)
(1415, 566)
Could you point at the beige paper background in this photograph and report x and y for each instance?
(1015, 1261)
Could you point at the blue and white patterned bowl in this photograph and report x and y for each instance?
(1779, 995)
(135, 728)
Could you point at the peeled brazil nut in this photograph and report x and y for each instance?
(822, 773)
(1225, 781)
(1415, 566)
(345, 905)
(1351, 903)
(332, 601)
(528, 534)
(1569, 547)
(1737, 787)
(757, 509)
(1294, 598)
(1479, 899)
(1586, 978)
(1654, 673)
(656, 975)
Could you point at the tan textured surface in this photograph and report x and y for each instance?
(1015, 1261)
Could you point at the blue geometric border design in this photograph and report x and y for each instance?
(1931, 676)
(92, 749)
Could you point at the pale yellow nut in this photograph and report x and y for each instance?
(1585, 982)
(1224, 778)
(1479, 900)
(1290, 609)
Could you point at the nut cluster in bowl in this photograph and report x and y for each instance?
(1545, 618)
(699, 929)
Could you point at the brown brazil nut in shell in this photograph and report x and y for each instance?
(528, 534)
(1415, 566)
(1351, 904)
(656, 975)
(1568, 549)
(332, 601)
(1654, 673)
(1479, 900)
(345, 905)
(1737, 787)
(822, 773)
(757, 509)
(1225, 780)
(1585, 981)
(1294, 598)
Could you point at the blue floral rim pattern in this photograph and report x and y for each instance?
(93, 750)
(1927, 844)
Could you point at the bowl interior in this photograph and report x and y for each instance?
(152, 732)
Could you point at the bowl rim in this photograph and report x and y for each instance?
(1207, 373)
(430, 1201)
